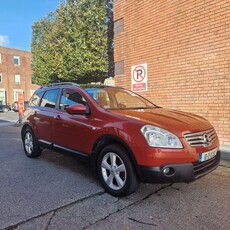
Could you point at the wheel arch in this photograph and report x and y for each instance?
(24, 127)
(106, 140)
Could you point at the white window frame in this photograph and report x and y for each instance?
(0, 77)
(4, 95)
(18, 58)
(17, 78)
(0, 58)
(16, 92)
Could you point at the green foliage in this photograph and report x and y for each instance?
(72, 44)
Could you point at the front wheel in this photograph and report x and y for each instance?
(116, 171)
(30, 145)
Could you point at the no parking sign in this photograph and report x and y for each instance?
(20, 103)
(139, 78)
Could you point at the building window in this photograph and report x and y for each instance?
(16, 60)
(16, 92)
(119, 68)
(17, 79)
(0, 58)
(2, 96)
(0, 77)
(119, 26)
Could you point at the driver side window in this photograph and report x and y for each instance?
(70, 97)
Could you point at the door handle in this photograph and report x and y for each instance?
(58, 117)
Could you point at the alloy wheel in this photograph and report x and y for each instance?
(113, 171)
(29, 143)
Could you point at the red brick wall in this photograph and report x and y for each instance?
(8, 69)
(187, 47)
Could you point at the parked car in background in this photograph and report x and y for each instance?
(126, 138)
(14, 106)
(4, 108)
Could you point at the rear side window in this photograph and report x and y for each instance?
(34, 101)
(49, 98)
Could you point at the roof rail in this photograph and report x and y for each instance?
(62, 83)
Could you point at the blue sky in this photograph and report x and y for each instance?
(17, 18)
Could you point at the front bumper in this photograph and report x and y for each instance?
(175, 173)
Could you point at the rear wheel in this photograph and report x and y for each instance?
(30, 145)
(116, 172)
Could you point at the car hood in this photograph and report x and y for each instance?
(174, 121)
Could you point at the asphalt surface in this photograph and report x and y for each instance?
(57, 192)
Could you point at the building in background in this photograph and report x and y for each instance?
(177, 54)
(15, 75)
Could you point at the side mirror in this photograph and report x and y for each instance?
(76, 109)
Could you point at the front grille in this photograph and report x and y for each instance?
(203, 168)
(204, 138)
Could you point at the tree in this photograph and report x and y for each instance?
(110, 34)
(73, 43)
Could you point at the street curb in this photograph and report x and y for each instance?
(225, 152)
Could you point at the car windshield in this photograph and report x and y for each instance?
(118, 98)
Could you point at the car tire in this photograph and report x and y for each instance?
(116, 171)
(30, 145)
(5, 110)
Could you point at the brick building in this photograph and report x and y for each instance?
(186, 48)
(15, 75)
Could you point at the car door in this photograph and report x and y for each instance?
(72, 132)
(44, 116)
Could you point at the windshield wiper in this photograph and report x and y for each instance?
(156, 107)
(140, 108)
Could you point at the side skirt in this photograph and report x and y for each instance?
(61, 149)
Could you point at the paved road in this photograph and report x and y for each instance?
(57, 192)
(9, 118)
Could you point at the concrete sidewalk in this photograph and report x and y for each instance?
(225, 152)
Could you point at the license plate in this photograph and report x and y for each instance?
(207, 155)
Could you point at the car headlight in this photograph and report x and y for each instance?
(157, 137)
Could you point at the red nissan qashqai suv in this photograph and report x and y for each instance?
(125, 137)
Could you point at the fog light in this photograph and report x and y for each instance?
(168, 171)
